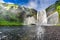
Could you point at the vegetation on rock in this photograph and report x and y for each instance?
(12, 14)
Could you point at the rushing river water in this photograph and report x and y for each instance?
(20, 33)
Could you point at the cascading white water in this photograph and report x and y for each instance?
(42, 20)
(42, 17)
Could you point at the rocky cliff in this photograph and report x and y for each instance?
(12, 14)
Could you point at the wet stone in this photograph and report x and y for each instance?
(29, 33)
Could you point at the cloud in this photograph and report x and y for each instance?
(9, 3)
(1, 1)
(39, 4)
(32, 4)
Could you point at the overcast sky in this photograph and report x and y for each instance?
(36, 4)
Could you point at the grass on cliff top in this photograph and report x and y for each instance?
(10, 23)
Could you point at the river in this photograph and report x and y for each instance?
(18, 32)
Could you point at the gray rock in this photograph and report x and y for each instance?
(53, 18)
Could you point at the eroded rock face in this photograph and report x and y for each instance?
(30, 20)
(53, 18)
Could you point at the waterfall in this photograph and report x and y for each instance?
(42, 17)
(42, 20)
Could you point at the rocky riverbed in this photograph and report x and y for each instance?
(17, 33)
(52, 33)
(29, 33)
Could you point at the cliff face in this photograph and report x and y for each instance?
(53, 8)
(13, 13)
(53, 13)
(50, 10)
